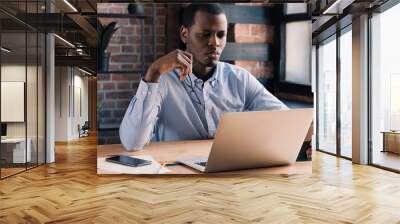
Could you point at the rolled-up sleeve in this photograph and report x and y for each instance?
(258, 98)
(137, 126)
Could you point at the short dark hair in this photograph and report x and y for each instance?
(189, 12)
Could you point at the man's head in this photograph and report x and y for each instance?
(203, 31)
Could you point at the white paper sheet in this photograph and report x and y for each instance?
(104, 167)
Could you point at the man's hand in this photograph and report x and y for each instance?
(176, 59)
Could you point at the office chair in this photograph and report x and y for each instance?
(84, 130)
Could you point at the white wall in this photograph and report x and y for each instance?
(61, 103)
(79, 110)
(70, 84)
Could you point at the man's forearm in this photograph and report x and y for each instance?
(140, 118)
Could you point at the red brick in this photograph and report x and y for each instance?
(118, 39)
(133, 21)
(161, 10)
(122, 104)
(147, 30)
(100, 95)
(257, 68)
(160, 30)
(242, 29)
(127, 67)
(248, 65)
(108, 104)
(113, 48)
(160, 49)
(147, 10)
(251, 39)
(127, 30)
(113, 67)
(133, 40)
(123, 85)
(114, 9)
(160, 39)
(123, 22)
(120, 77)
(101, 7)
(119, 95)
(147, 48)
(128, 49)
(258, 33)
(257, 29)
(103, 77)
(160, 20)
(270, 34)
(107, 86)
(148, 58)
(124, 58)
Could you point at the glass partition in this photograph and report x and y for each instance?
(13, 87)
(327, 96)
(22, 89)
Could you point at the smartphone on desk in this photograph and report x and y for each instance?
(127, 160)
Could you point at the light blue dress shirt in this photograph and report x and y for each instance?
(190, 109)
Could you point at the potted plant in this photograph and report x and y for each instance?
(104, 36)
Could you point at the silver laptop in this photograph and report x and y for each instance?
(246, 140)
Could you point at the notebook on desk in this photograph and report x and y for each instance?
(246, 140)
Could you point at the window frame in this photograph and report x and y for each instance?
(334, 36)
(280, 84)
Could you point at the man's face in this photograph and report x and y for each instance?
(206, 38)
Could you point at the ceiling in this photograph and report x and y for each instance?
(21, 20)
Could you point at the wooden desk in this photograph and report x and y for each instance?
(172, 151)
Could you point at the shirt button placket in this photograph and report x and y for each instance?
(208, 110)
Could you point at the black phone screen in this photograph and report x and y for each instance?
(129, 161)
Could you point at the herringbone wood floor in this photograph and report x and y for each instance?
(70, 191)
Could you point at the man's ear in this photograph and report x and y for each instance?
(184, 34)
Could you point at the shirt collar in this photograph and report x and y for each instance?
(213, 80)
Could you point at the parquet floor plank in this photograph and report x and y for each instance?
(70, 191)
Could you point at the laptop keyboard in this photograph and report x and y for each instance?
(202, 163)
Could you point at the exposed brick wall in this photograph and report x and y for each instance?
(255, 33)
(116, 89)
